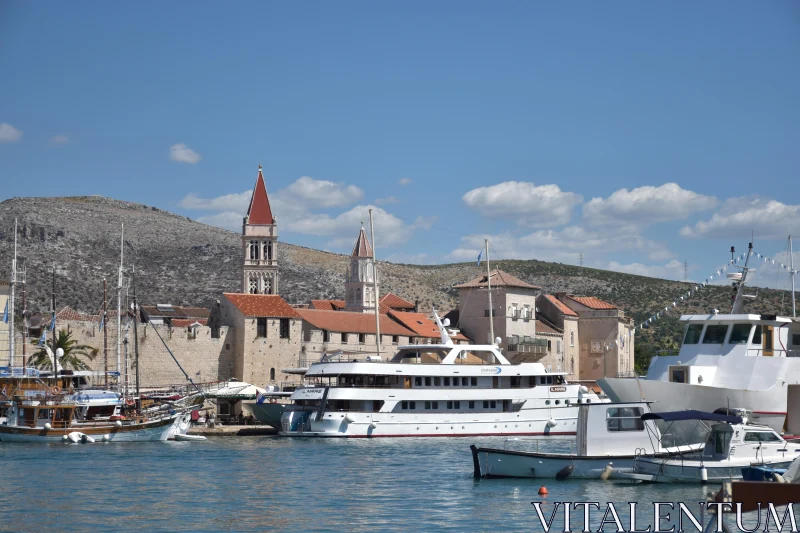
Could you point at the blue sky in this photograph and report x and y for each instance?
(640, 134)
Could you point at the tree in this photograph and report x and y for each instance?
(73, 353)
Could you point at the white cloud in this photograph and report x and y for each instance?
(738, 217)
(564, 245)
(233, 202)
(646, 205)
(183, 154)
(524, 202)
(8, 133)
(671, 270)
(322, 193)
(59, 139)
(387, 200)
(404, 181)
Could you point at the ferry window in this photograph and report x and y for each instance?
(449, 405)
(455, 382)
(795, 339)
(757, 334)
(412, 405)
(428, 382)
(437, 381)
(493, 404)
(457, 405)
(465, 382)
(588, 400)
(472, 405)
(693, 334)
(558, 402)
(261, 327)
(427, 405)
(566, 402)
(549, 380)
(715, 334)
(624, 419)
(739, 334)
(485, 404)
(761, 436)
(514, 382)
(473, 382)
(284, 328)
(405, 405)
(446, 381)
(418, 381)
(435, 405)
(547, 402)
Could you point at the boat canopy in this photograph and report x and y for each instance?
(691, 414)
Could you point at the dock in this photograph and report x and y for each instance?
(232, 431)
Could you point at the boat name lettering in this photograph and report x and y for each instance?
(313, 391)
(493, 370)
(558, 389)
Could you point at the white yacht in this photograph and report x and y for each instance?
(739, 359)
(434, 390)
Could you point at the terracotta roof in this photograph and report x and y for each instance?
(421, 325)
(395, 302)
(327, 305)
(350, 322)
(68, 313)
(561, 306)
(362, 247)
(186, 322)
(591, 302)
(259, 211)
(546, 329)
(262, 305)
(499, 279)
(174, 311)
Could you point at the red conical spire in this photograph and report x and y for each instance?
(362, 247)
(259, 211)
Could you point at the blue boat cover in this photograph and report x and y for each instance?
(691, 414)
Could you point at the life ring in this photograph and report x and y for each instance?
(55, 390)
(130, 402)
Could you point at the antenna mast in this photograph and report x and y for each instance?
(794, 272)
(738, 301)
(375, 287)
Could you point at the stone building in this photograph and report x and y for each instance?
(359, 290)
(562, 319)
(260, 243)
(604, 337)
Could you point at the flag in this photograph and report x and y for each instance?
(53, 325)
(479, 257)
(259, 397)
(5, 313)
(43, 338)
(102, 318)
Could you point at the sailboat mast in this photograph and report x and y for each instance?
(794, 273)
(11, 303)
(489, 287)
(24, 321)
(119, 302)
(135, 333)
(53, 326)
(375, 288)
(105, 335)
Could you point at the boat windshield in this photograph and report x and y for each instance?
(420, 355)
(715, 334)
(740, 333)
(693, 334)
(722, 440)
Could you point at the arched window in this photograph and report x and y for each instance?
(268, 251)
(358, 296)
(272, 374)
(254, 250)
(253, 283)
(267, 285)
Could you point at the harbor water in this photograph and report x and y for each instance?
(298, 485)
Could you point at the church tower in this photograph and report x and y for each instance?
(359, 291)
(260, 244)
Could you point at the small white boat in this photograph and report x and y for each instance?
(609, 438)
(189, 438)
(731, 446)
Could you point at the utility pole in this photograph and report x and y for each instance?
(581, 259)
(794, 272)
(105, 333)
(685, 270)
(375, 288)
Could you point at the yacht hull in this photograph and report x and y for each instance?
(267, 413)
(672, 471)
(768, 406)
(507, 463)
(158, 430)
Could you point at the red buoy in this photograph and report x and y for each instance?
(542, 491)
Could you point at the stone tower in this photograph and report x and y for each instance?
(359, 291)
(260, 244)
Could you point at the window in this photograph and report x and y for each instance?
(412, 405)
(473, 382)
(531, 381)
(326, 335)
(405, 405)
(487, 311)
(515, 382)
(678, 375)
(427, 381)
(572, 338)
(253, 250)
(693, 332)
(558, 346)
(427, 405)
(253, 284)
(624, 419)
(395, 339)
(796, 339)
(268, 249)
(455, 382)
(739, 333)
(549, 345)
(558, 402)
(472, 405)
(272, 374)
(757, 335)
(547, 402)
(485, 404)
(446, 381)
(465, 382)
(449, 405)
(715, 334)
(435, 405)
(457, 405)
(761, 436)
(284, 328)
(437, 381)
(493, 404)
(261, 327)
(418, 381)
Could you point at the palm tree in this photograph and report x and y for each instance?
(73, 352)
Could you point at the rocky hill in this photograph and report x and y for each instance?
(184, 262)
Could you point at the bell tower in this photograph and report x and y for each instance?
(259, 244)
(359, 294)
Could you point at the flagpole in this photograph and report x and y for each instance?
(375, 287)
(489, 287)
